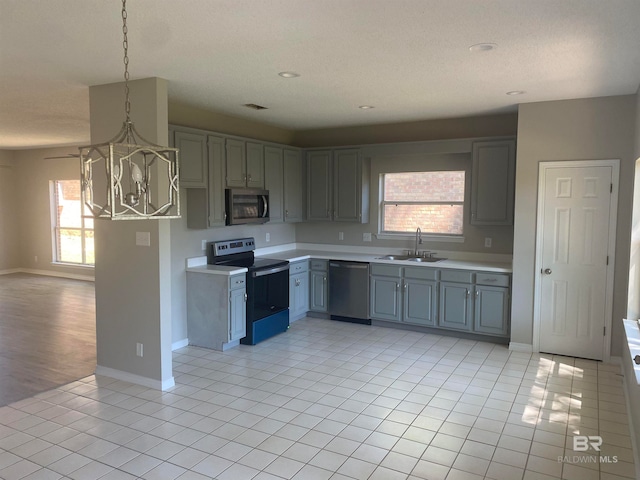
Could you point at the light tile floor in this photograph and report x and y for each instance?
(330, 400)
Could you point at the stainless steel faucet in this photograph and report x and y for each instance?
(418, 240)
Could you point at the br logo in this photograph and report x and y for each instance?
(582, 443)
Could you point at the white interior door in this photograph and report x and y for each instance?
(573, 260)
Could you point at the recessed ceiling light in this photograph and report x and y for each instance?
(366, 107)
(516, 92)
(289, 74)
(482, 47)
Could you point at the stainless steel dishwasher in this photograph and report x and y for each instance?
(349, 291)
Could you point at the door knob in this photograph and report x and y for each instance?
(547, 271)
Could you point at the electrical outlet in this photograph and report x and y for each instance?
(340, 235)
(487, 242)
(366, 237)
(267, 237)
(139, 349)
(204, 245)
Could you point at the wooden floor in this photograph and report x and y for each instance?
(47, 333)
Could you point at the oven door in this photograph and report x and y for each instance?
(267, 292)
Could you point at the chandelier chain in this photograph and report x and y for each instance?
(125, 46)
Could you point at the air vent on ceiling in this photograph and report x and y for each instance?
(255, 106)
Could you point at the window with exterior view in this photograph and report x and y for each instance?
(72, 233)
(433, 201)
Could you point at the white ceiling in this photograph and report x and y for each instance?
(408, 58)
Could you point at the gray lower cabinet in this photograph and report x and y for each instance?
(404, 294)
(475, 301)
(298, 289)
(216, 310)
(318, 286)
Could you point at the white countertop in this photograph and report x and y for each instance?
(298, 254)
(291, 252)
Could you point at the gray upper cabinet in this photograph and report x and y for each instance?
(205, 206)
(245, 164)
(337, 186)
(193, 158)
(255, 165)
(493, 182)
(274, 182)
(319, 185)
(293, 198)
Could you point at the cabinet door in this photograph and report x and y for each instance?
(217, 214)
(318, 291)
(236, 164)
(237, 314)
(491, 310)
(298, 295)
(347, 182)
(319, 185)
(293, 206)
(420, 300)
(385, 298)
(455, 306)
(255, 165)
(193, 159)
(273, 181)
(492, 183)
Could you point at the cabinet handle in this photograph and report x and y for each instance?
(245, 297)
(397, 286)
(297, 282)
(467, 291)
(249, 177)
(477, 293)
(324, 279)
(286, 213)
(405, 286)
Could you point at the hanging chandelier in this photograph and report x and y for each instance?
(141, 178)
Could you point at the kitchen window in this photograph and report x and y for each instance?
(433, 201)
(72, 233)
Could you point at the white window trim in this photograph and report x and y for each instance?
(430, 237)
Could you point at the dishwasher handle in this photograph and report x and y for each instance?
(349, 265)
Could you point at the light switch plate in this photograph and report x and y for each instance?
(366, 237)
(143, 239)
(487, 242)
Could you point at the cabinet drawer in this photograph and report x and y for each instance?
(460, 276)
(319, 265)
(495, 279)
(298, 267)
(388, 270)
(237, 281)
(421, 273)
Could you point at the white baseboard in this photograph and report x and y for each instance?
(136, 379)
(51, 273)
(9, 271)
(179, 344)
(520, 347)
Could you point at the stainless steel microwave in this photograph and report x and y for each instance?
(246, 205)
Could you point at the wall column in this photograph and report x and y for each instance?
(133, 290)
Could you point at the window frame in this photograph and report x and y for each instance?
(56, 228)
(431, 236)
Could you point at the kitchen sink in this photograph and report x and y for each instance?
(411, 258)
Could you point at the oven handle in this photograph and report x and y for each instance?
(261, 273)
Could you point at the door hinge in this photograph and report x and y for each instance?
(607, 259)
(604, 331)
(611, 188)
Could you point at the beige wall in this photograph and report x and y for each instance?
(467, 127)
(9, 234)
(452, 155)
(190, 116)
(34, 172)
(597, 128)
